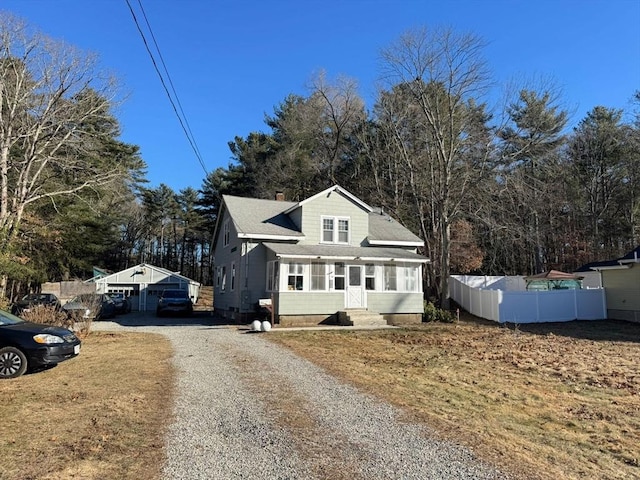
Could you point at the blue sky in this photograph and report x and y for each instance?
(233, 61)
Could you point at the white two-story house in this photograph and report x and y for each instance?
(313, 259)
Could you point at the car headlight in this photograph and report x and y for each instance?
(47, 338)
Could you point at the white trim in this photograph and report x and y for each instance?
(352, 258)
(612, 267)
(391, 243)
(262, 236)
(335, 231)
(335, 188)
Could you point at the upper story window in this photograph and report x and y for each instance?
(226, 233)
(335, 230)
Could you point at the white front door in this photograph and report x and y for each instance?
(355, 287)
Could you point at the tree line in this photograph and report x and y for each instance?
(491, 189)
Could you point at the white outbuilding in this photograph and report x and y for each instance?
(143, 283)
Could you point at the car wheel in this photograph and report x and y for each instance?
(13, 362)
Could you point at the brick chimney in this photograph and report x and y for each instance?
(280, 196)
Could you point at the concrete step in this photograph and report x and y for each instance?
(360, 318)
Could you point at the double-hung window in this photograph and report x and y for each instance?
(335, 230)
(295, 279)
(338, 276)
(370, 276)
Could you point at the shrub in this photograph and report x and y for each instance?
(435, 314)
(49, 315)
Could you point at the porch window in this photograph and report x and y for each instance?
(370, 276)
(411, 278)
(218, 276)
(335, 230)
(338, 276)
(272, 275)
(318, 276)
(390, 277)
(295, 280)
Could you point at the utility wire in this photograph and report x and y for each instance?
(181, 116)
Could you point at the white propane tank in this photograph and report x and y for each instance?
(255, 325)
(266, 326)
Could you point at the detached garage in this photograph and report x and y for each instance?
(143, 283)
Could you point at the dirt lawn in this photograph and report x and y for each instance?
(101, 415)
(552, 401)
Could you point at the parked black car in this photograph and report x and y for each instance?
(34, 299)
(25, 345)
(123, 305)
(95, 306)
(174, 301)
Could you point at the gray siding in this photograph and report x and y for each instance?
(310, 303)
(387, 302)
(337, 205)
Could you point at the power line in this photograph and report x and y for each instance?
(182, 118)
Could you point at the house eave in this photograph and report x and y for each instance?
(260, 236)
(334, 188)
(387, 243)
(349, 258)
(612, 267)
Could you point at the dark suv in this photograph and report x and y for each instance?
(174, 301)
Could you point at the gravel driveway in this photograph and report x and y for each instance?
(250, 409)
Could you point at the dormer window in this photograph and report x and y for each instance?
(335, 230)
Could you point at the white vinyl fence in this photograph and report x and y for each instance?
(504, 299)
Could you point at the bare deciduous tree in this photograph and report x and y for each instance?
(442, 74)
(51, 98)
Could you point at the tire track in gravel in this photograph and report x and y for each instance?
(328, 453)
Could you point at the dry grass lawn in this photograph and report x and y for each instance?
(554, 401)
(101, 415)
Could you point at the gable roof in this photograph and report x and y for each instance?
(269, 220)
(385, 230)
(632, 257)
(335, 188)
(258, 218)
(553, 275)
(620, 263)
(141, 267)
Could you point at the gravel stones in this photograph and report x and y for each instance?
(250, 409)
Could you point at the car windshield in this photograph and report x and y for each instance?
(33, 297)
(86, 298)
(8, 319)
(174, 294)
